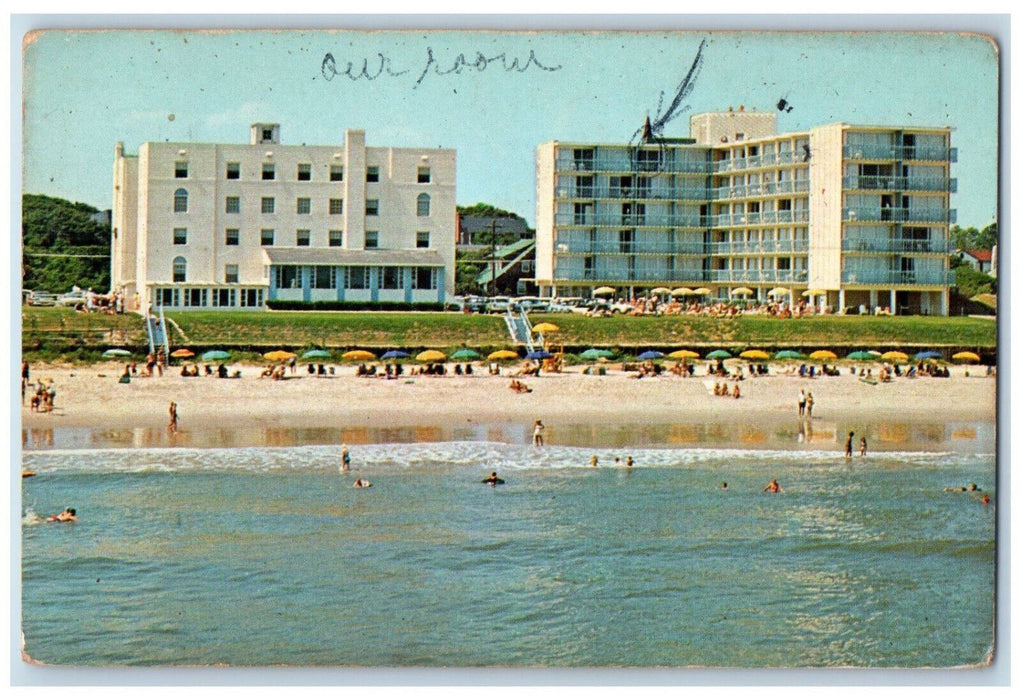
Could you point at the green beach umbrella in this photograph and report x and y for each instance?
(718, 355)
(862, 355)
(465, 354)
(595, 354)
(117, 352)
(316, 355)
(215, 355)
(789, 355)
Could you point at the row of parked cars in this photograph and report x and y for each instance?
(501, 304)
(38, 297)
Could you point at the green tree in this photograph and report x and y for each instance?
(62, 245)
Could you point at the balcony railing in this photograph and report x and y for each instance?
(694, 194)
(939, 278)
(760, 161)
(761, 190)
(758, 247)
(894, 245)
(632, 248)
(753, 276)
(762, 217)
(916, 184)
(625, 165)
(932, 215)
(632, 220)
(887, 152)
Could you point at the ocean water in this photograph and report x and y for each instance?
(257, 556)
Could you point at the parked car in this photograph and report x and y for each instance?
(71, 299)
(498, 305)
(40, 298)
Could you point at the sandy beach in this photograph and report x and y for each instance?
(92, 397)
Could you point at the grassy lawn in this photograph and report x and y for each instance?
(62, 331)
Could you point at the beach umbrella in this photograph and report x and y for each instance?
(393, 355)
(718, 355)
(789, 355)
(316, 355)
(755, 355)
(502, 355)
(650, 355)
(862, 355)
(683, 355)
(823, 355)
(215, 355)
(778, 291)
(595, 354)
(928, 355)
(813, 292)
(875, 353)
(279, 356)
(894, 356)
(539, 355)
(182, 352)
(702, 290)
(966, 357)
(742, 291)
(358, 355)
(117, 352)
(546, 327)
(465, 354)
(660, 290)
(599, 291)
(430, 356)
(682, 292)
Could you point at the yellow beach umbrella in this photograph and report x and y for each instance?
(742, 291)
(660, 290)
(778, 291)
(682, 292)
(823, 355)
(358, 355)
(702, 290)
(604, 290)
(755, 355)
(966, 357)
(894, 356)
(279, 356)
(813, 292)
(546, 328)
(430, 356)
(502, 355)
(683, 354)
(183, 352)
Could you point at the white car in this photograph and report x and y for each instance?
(40, 298)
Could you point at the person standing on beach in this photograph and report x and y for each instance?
(537, 434)
(801, 402)
(864, 446)
(849, 447)
(345, 459)
(809, 402)
(172, 425)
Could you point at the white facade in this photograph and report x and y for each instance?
(858, 214)
(234, 225)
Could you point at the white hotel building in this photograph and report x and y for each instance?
(859, 214)
(199, 225)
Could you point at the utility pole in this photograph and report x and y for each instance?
(492, 259)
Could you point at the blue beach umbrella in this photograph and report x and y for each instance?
(538, 355)
(215, 355)
(928, 355)
(393, 355)
(650, 355)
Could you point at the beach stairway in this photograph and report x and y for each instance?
(520, 328)
(156, 330)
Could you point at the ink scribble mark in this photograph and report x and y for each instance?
(383, 66)
(783, 105)
(655, 126)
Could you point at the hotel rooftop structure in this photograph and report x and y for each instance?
(198, 225)
(858, 215)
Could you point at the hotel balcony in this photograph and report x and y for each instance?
(568, 164)
(900, 184)
(899, 214)
(605, 275)
(632, 220)
(940, 278)
(761, 161)
(900, 153)
(692, 194)
(760, 218)
(625, 248)
(756, 276)
(894, 245)
(759, 247)
(764, 189)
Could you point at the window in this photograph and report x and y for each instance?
(180, 269)
(269, 205)
(194, 297)
(304, 172)
(180, 200)
(423, 204)
(324, 277)
(372, 207)
(233, 237)
(267, 236)
(336, 206)
(391, 277)
(336, 239)
(423, 278)
(233, 171)
(181, 169)
(267, 134)
(166, 296)
(230, 274)
(357, 277)
(304, 205)
(223, 297)
(288, 277)
(269, 171)
(424, 175)
(303, 237)
(251, 297)
(371, 239)
(336, 173)
(422, 239)
(233, 205)
(372, 173)
(180, 236)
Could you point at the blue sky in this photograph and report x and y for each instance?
(84, 91)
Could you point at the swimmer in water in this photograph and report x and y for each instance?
(773, 487)
(492, 480)
(68, 515)
(362, 483)
(630, 462)
(595, 461)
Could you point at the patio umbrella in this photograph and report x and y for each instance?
(660, 290)
(182, 352)
(928, 355)
(823, 355)
(813, 292)
(604, 290)
(502, 355)
(316, 355)
(359, 355)
(430, 356)
(393, 355)
(117, 352)
(595, 354)
(279, 356)
(789, 355)
(778, 291)
(755, 355)
(215, 355)
(683, 355)
(539, 355)
(702, 290)
(966, 357)
(465, 354)
(862, 355)
(546, 327)
(718, 355)
(742, 291)
(650, 355)
(894, 356)
(682, 292)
